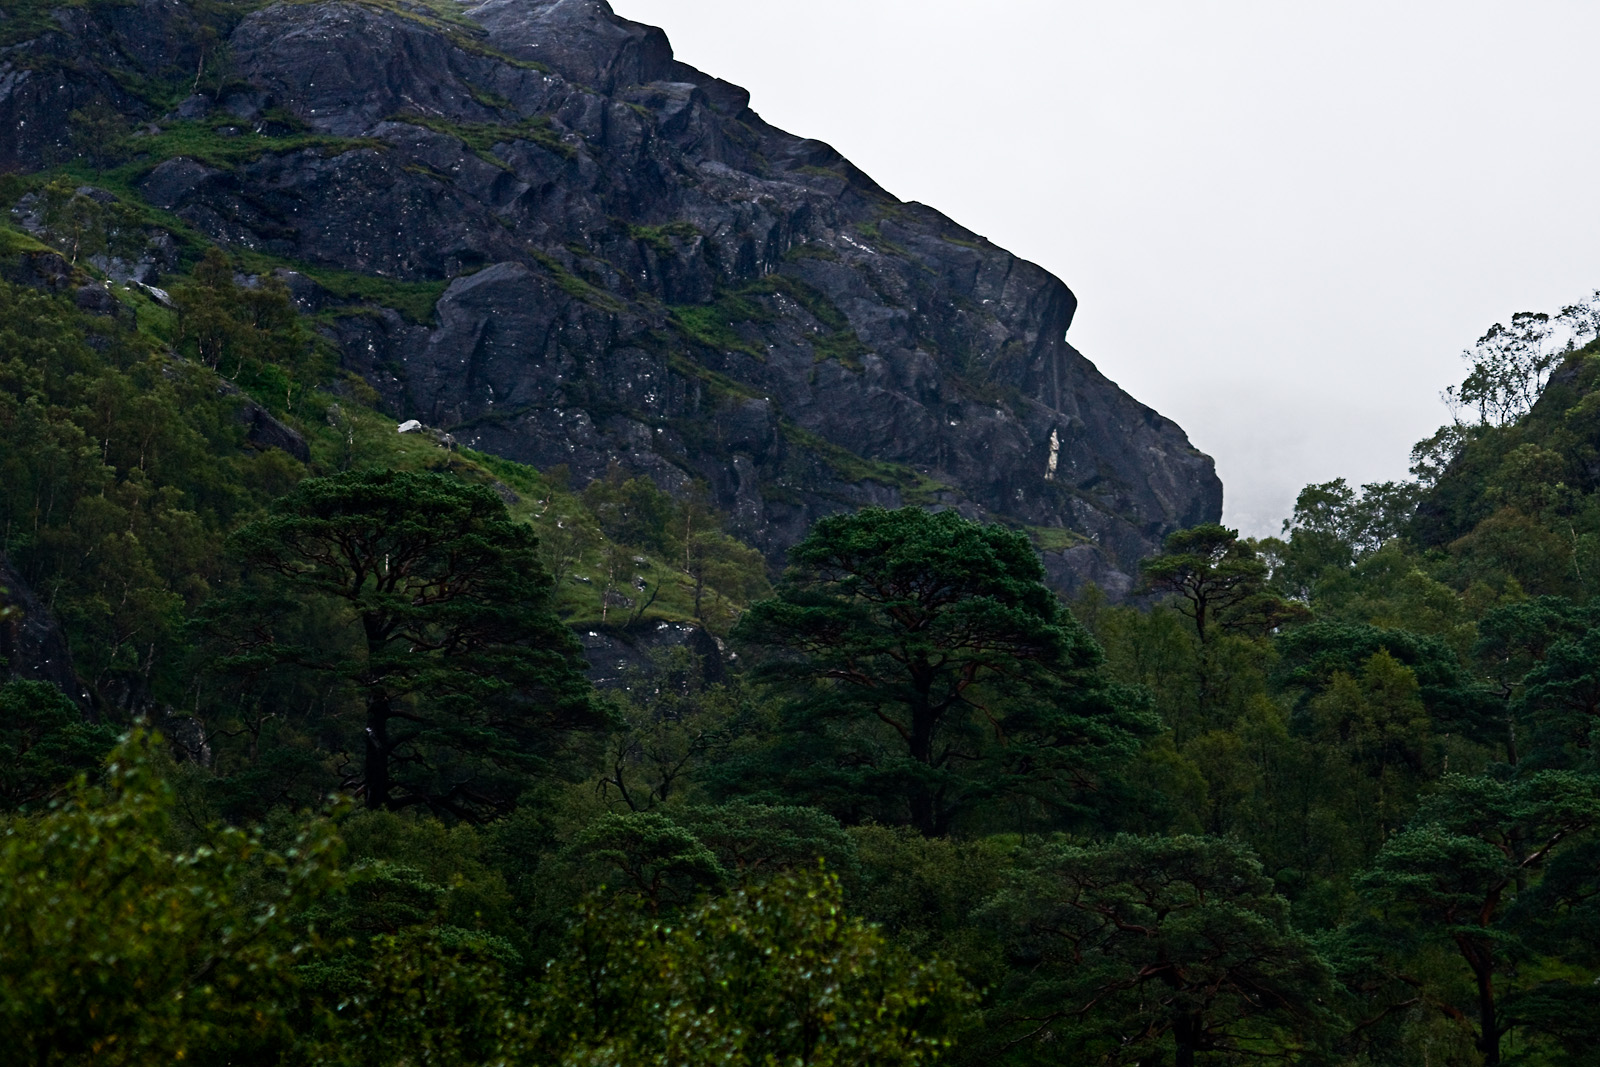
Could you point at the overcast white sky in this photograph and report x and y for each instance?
(1283, 220)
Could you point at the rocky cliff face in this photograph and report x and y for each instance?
(631, 266)
(32, 646)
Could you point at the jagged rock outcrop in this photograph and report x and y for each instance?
(32, 646)
(619, 656)
(635, 268)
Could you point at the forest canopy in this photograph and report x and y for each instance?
(323, 743)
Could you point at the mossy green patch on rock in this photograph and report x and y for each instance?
(482, 137)
(718, 383)
(838, 339)
(715, 325)
(227, 143)
(575, 286)
(15, 242)
(914, 486)
(812, 250)
(712, 325)
(414, 301)
(1055, 538)
(661, 238)
(443, 17)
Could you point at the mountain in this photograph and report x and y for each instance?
(525, 224)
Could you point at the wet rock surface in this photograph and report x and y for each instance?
(32, 645)
(620, 657)
(263, 431)
(636, 268)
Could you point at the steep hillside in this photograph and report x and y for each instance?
(1520, 502)
(523, 222)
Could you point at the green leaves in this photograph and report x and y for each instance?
(1143, 944)
(775, 975)
(1560, 700)
(248, 333)
(926, 666)
(124, 949)
(82, 223)
(426, 999)
(668, 858)
(1312, 655)
(650, 856)
(119, 470)
(121, 949)
(1454, 875)
(44, 744)
(419, 593)
(1217, 580)
(1510, 366)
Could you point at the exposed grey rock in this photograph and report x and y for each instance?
(582, 39)
(40, 270)
(175, 181)
(1081, 565)
(84, 61)
(264, 431)
(618, 656)
(185, 733)
(32, 646)
(643, 271)
(96, 299)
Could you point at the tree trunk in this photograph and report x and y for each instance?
(1488, 1021)
(1481, 959)
(376, 770)
(1186, 1035)
(923, 809)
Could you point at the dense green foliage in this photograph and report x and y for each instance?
(422, 600)
(1144, 941)
(709, 989)
(126, 947)
(1330, 798)
(44, 743)
(924, 668)
(123, 948)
